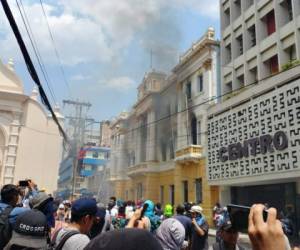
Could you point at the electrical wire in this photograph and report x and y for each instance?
(55, 49)
(30, 66)
(36, 50)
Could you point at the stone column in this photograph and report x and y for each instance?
(138, 143)
(225, 196)
(150, 148)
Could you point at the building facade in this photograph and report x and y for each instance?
(31, 145)
(258, 38)
(105, 134)
(158, 149)
(91, 161)
(254, 134)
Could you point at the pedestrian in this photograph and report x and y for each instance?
(9, 211)
(74, 236)
(184, 220)
(168, 211)
(60, 214)
(129, 210)
(217, 212)
(199, 229)
(44, 203)
(67, 205)
(99, 222)
(158, 211)
(120, 221)
(112, 206)
(171, 234)
(127, 239)
(228, 238)
(150, 214)
(30, 232)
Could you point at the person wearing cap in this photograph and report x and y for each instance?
(228, 238)
(199, 229)
(99, 222)
(30, 231)
(83, 213)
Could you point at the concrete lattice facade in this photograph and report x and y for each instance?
(260, 51)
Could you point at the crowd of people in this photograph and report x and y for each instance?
(31, 219)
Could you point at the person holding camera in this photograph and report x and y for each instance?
(266, 234)
(199, 229)
(9, 211)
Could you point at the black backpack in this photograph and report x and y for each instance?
(63, 240)
(5, 227)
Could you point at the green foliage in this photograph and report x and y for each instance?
(290, 64)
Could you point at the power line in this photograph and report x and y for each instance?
(30, 66)
(36, 50)
(56, 51)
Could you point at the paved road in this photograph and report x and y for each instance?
(246, 245)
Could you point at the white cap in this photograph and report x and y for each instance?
(196, 209)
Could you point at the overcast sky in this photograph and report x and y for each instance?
(105, 45)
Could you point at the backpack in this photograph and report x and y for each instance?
(63, 240)
(5, 227)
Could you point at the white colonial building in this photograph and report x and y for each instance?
(30, 143)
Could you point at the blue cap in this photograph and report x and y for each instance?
(84, 206)
(101, 212)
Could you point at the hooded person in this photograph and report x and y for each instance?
(171, 234)
(150, 214)
(129, 239)
(30, 231)
(44, 203)
(168, 211)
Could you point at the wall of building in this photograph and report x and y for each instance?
(245, 65)
(40, 148)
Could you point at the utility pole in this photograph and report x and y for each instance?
(78, 123)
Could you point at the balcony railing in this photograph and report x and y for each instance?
(189, 153)
(137, 169)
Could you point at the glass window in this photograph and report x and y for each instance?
(139, 191)
(198, 187)
(162, 189)
(200, 83)
(172, 194)
(185, 191)
(199, 133)
(188, 90)
(194, 130)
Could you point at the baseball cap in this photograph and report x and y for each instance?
(196, 209)
(61, 206)
(101, 212)
(227, 226)
(30, 230)
(39, 199)
(84, 206)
